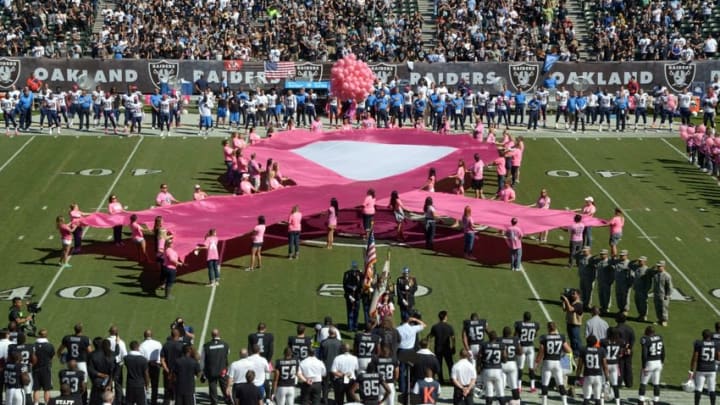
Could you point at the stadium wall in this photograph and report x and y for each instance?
(148, 74)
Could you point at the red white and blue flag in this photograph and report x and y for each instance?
(370, 259)
(279, 70)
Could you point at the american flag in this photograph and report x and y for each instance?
(279, 70)
(370, 259)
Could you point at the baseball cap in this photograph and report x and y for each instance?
(197, 186)
(643, 258)
(660, 263)
(406, 270)
(353, 264)
(589, 199)
(328, 320)
(586, 248)
(623, 252)
(604, 252)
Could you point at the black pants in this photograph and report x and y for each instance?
(447, 357)
(213, 383)
(169, 389)
(460, 399)
(154, 371)
(626, 371)
(342, 391)
(135, 396)
(311, 394)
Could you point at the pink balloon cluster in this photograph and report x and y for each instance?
(696, 135)
(351, 78)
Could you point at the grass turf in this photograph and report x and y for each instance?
(675, 205)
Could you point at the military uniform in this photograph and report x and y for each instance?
(642, 281)
(623, 283)
(587, 273)
(605, 279)
(662, 288)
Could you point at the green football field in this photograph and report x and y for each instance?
(671, 214)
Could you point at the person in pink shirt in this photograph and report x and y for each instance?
(211, 243)
(491, 136)
(543, 203)
(171, 261)
(258, 237)
(513, 237)
(253, 136)
(460, 176)
(136, 233)
(479, 131)
(66, 238)
(294, 228)
(290, 125)
(346, 125)
(419, 124)
(164, 198)
(316, 126)
(430, 183)
(255, 171)
(237, 141)
(617, 222)
(199, 194)
(468, 232)
(275, 177)
(507, 194)
(385, 307)
(576, 231)
(501, 170)
(368, 122)
(332, 221)
(477, 176)
(396, 205)
(588, 210)
(246, 187)
(228, 152)
(115, 207)
(368, 212)
(516, 159)
(76, 217)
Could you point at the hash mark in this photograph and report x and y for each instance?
(675, 209)
(677, 238)
(647, 209)
(44, 207)
(708, 239)
(17, 207)
(21, 237)
(51, 237)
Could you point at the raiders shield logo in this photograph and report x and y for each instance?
(309, 72)
(523, 76)
(163, 71)
(386, 73)
(9, 72)
(679, 75)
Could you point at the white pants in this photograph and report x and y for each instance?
(15, 396)
(474, 349)
(82, 365)
(614, 374)
(527, 353)
(494, 386)
(592, 387)
(391, 398)
(705, 377)
(285, 396)
(652, 372)
(510, 372)
(552, 369)
(363, 363)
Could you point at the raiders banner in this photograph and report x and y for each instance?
(148, 75)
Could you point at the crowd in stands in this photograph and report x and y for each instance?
(52, 29)
(658, 30)
(375, 30)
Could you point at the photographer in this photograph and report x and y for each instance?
(573, 308)
(17, 314)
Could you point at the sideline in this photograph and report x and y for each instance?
(99, 207)
(642, 231)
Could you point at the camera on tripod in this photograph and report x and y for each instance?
(34, 307)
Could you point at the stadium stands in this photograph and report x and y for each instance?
(376, 30)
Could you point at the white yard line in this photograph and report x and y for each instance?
(536, 295)
(681, 153)
(667, 258)
(211, 301)
(17, 152)
(100, 205)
